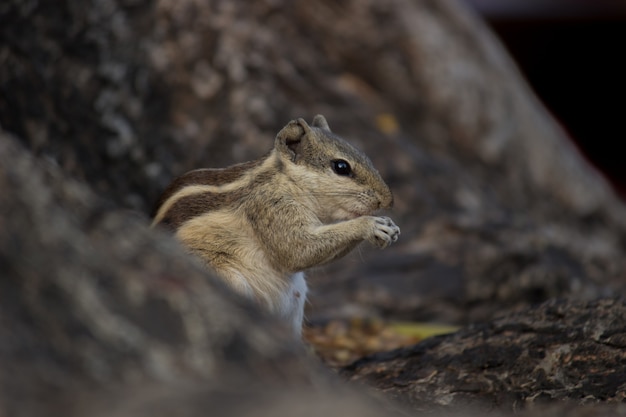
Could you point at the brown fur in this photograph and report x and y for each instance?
(205, 176)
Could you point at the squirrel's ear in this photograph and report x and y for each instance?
(289, 139)
(320, 121)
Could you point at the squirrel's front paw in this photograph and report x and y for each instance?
(385, 232)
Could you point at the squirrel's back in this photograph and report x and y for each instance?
(203, 190)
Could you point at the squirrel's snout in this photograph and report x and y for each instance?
(387, 203)
(386, 199)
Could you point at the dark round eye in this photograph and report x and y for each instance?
(341, 167)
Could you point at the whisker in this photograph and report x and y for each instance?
(359, 251)
(330, 193)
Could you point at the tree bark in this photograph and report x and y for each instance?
(103, 102)
(561, 350)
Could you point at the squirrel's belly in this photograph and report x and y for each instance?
(291, 302)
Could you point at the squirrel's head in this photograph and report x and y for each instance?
(341, 178)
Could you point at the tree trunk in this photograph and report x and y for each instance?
(102, 102)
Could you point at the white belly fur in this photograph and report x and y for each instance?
(291, 303)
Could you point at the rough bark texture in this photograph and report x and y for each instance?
(102, 102)
(558, 351)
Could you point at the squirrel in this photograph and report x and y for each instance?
(258, 225)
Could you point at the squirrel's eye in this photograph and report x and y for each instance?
(341, 167)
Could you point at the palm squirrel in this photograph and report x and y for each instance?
(259, 224)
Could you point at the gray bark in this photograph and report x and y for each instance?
(103, 102)
(572, 352)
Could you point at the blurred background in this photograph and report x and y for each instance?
(572, 52)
